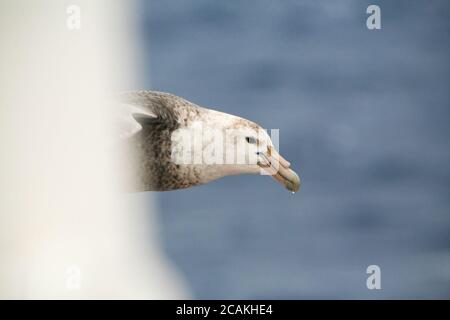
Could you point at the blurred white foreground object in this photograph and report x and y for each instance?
(64, 231)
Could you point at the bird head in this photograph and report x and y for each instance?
(221, 145)
(251, 150)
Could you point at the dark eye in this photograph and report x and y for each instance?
(250, 140)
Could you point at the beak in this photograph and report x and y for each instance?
(279, 168)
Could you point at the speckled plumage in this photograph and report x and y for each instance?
(152, 145)
(151, 119)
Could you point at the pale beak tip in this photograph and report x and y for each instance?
(294, 183)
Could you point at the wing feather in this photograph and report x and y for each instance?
(140, 108)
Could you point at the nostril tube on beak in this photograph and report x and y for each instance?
(284, 162)
(271, 152)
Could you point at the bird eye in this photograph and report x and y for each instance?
(250, 140)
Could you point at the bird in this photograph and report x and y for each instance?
(170, 143)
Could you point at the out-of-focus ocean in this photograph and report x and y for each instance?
(363, 116)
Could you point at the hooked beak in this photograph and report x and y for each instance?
(279, 168)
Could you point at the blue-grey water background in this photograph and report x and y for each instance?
(363, 116)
